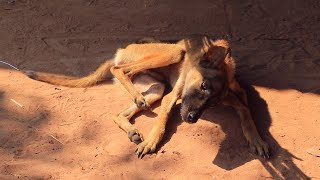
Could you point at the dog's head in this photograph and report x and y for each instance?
(206, 83)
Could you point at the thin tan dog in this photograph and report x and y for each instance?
(200, 71)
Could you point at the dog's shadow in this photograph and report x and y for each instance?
(234, 150)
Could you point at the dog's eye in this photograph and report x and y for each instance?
(204, 85)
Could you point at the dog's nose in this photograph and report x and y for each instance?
(193, 117)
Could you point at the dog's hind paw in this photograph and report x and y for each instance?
(135, 136)
(141, 103)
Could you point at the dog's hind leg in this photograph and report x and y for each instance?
(159, 56)
(152, 90)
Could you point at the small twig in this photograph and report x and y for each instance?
(67, 123)
(17, 103)
(44, 41)
(57, 92)
(314, 152)
(91, 2)
(56, 139)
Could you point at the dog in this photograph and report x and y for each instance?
(200, 71)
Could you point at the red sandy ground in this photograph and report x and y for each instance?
(276, 46)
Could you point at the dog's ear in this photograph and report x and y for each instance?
(214, 56)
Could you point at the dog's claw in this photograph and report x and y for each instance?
(140, 155)
(268, 155)
(137, 153)
(258, 146)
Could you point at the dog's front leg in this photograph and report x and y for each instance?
(257, 145)
(149, 145)
(156, 134)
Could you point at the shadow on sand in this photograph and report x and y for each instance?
(234, 152)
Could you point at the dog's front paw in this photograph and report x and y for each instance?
(258, 146)
(149, 145)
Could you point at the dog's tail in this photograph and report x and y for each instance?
(102, 73)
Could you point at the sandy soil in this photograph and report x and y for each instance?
(276, 46)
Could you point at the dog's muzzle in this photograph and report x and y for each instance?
(193, 117)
